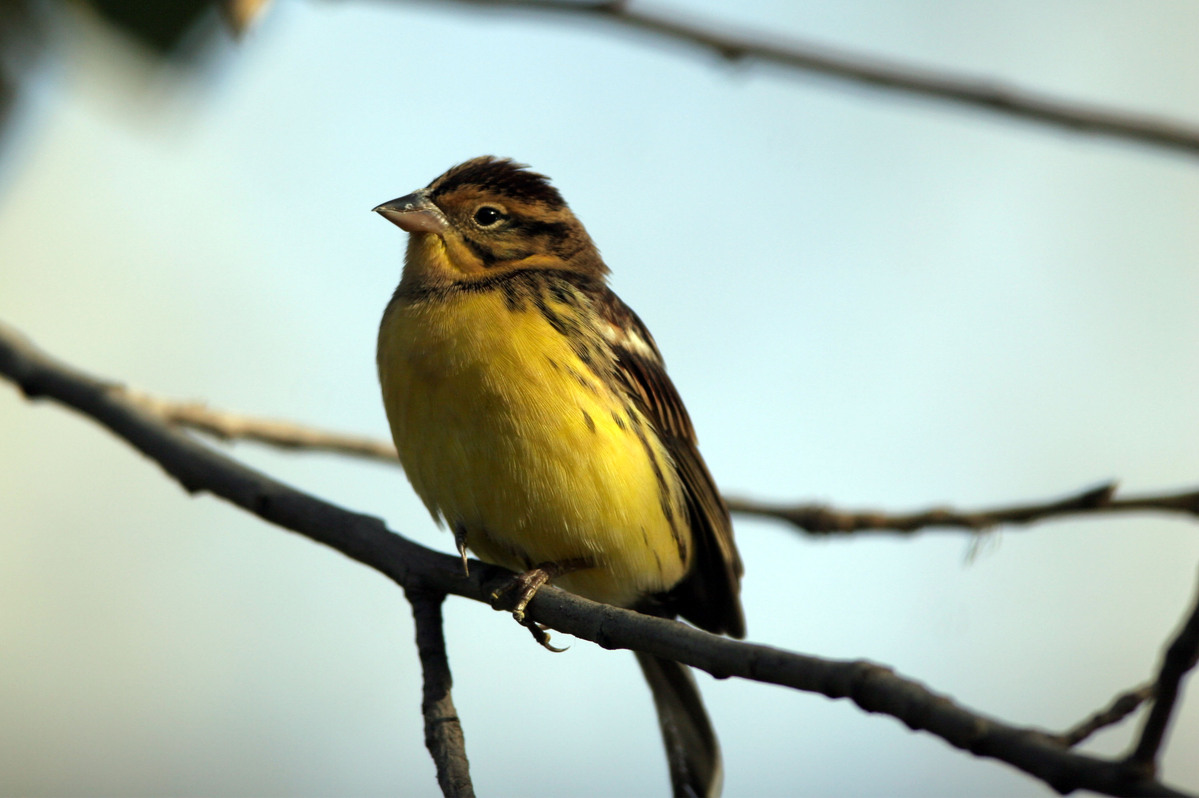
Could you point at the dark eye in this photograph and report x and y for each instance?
(486, 216)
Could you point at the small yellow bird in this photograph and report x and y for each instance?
(533, 416)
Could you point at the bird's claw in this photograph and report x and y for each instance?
(542, 636)
(460, 542)
(526, 586)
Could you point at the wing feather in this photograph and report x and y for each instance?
(710, 594)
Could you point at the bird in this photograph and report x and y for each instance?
(533, 416)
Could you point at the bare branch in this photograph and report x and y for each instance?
(872, 687)
(443, 729)
(726, 42)
(1120, 708)
(821, 520)
(1180, 657)
(813, 519)
(232, 426)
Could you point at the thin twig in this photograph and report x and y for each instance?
(232, 426)
(813, 519)
(1180, 657)
(1121, 707)
(739, 45)
(443, 729)
(872, 687)
(821, 520)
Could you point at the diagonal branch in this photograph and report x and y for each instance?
(872, 687)
(733, 45)
(1121, 707)
(1180, 657)
(443, 728)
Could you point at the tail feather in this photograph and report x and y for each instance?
(691, 747)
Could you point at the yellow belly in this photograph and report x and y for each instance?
(503, 431)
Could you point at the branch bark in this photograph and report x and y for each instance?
(1121, 707)
(872, 687)
(443, 728)
(1180, 658)
(734, 45)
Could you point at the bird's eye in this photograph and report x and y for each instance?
(486, 216)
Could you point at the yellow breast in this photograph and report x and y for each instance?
(504, 430)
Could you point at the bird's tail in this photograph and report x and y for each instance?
(691, 747)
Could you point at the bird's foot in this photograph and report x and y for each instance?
(525, 585)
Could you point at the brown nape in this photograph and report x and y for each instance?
(501, 175)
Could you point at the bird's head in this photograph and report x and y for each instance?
(485, 217)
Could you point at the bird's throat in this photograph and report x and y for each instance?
(436, 261)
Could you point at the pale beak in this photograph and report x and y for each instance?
(414, 213)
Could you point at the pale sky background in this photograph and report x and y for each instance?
(864, 299)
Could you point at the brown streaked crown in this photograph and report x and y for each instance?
(503, 217)
(502, 176)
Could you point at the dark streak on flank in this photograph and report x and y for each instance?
(617, 418)
(580, 379)
(555, 321)
(572, 306)
(651, 550)
(564, 313)
(664, 496)
(590, 422)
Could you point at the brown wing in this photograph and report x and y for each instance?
(710, 595)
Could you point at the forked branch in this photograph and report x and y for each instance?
(1180, 658)
(1121, 707)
